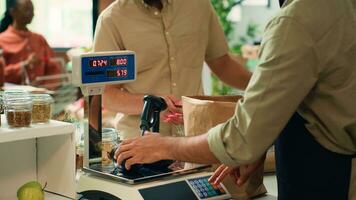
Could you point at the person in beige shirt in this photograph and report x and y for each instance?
(301, 96)
(172, 39)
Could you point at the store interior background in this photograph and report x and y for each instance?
(69, 30)
(66, 25)
(58, 20)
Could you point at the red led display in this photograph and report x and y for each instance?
(119, 62)
(120, 73)
(99, 63)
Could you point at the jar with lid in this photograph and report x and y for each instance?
(41, 108)
(18, 111)
(108, 142)
(15, 93)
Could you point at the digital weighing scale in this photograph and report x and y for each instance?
(179, 181)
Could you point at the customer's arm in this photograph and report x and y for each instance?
(117, 99)
(13, 72)
(287, 72)
(230, 71)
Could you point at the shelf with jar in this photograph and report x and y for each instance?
(40, 152)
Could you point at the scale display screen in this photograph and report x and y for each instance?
(109, 68)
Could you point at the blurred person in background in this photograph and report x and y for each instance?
(27, 54)
(2, 65)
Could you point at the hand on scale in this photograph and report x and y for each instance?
(150, 120)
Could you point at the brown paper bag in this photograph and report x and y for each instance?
(204, 112)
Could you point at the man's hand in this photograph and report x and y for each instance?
(239, 174)
(173, 114)
(152, 147)
(141, 150)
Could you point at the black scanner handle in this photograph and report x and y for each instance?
(150, 116)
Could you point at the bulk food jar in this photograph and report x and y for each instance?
(15, 93)
(41, 108)
(18, 111)
(108, 142)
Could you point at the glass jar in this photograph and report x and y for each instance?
(18, 111)
(108, 142)
(79, 156)
(15, 93)
(41, 108)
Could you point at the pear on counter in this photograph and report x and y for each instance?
(30, 191)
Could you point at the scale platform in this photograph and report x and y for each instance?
(145, 174)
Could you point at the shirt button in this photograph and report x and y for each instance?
(174, 84)
(172, 58)
(156, 13)
(167, 33)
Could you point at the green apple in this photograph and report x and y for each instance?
(30, 191)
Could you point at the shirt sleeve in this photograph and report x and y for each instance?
(288, 70)
(217, 45)
(107, 36)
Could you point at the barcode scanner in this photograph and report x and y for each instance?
(152, 108)
(150, 120)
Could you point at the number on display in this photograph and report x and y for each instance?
(121, 72)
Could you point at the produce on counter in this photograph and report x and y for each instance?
(31, 191)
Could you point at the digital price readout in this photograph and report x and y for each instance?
(106, 62)
(107, 67)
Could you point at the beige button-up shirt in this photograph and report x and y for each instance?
(170, 45)
(307, 64)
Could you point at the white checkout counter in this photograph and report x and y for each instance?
(45, 153)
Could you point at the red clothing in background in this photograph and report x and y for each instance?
(2, 65)
(17, 46)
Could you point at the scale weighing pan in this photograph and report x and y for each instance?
(175, 169)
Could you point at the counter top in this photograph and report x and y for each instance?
(34, 131)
